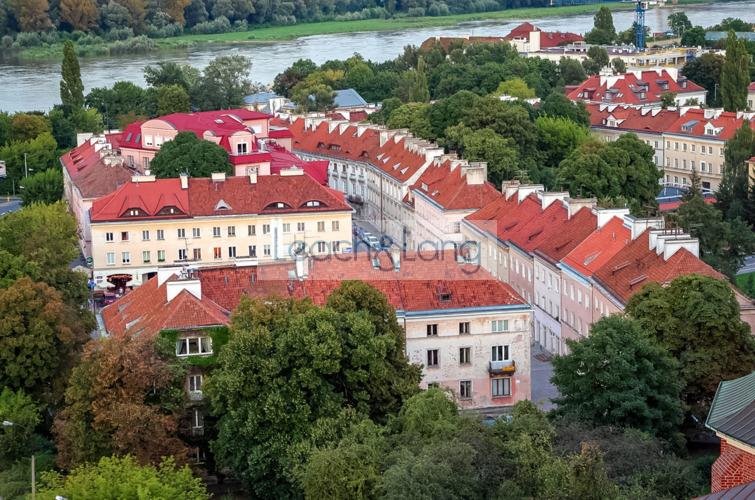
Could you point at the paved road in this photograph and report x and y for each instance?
(542, 389)
(749, 265)
(7, 207)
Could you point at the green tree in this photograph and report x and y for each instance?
(26, 127)
(224, 83)
(603, 32)
(170, 73)
(23, 413)
(414, 116)
(270, 398)
(679, 23)
(733, 193)
(619, 66)
(572, 72)
(735, 74)
(696, 318)
(313, 97)
(415, 84)
(706, 71)
(515, 87)
(297, 72)
(668, 99)
(172, 99)
(693, 37)
(499, 153)
(71, 87)
(122, 98)
(559, 137)
(620, 169)
(40, 337)
(619, 376)
(189, 154)
(125, 478)
(597, 59)
(42, 187)
(5, 128)
(557, 105)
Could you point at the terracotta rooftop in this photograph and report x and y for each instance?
(570, 234)
(547, 38)
(636, 265)
(446, 185)
(594, 251)
(91, 174)
(164, 198)
(633, 88)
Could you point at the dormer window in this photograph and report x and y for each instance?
(277, 205)
(222, 205)
(169, 211)
(313, 204)
(241, 148)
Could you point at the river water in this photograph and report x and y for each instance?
(33, 85)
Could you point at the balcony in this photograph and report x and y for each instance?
(195, 395)
(502, 367)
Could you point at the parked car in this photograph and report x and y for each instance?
(373, 242)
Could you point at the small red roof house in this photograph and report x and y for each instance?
(732, 418)
(525, 38)
(638, 88)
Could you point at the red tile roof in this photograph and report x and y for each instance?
(505, 214)
(280, 158)
(627, 88)
(393, 157)
(636, 265)
(570, 234)
(147, 310)
(91, 175)
(421, 284)
(694, 123)
(547, 38)
(204, 197)
(595, 250)
(751, 87)
(446, 185)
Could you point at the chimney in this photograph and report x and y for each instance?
(142, 178)
(548, 197)
(302, 267)
(396, 259)
(183, 282)
(184, 181)
(574, 205)
(638, 226)
(217, 176)
(291, 171)
(683, 241)
(509, 188)
(252, 175)
(476, 173)
(524, 191)
(604, 215)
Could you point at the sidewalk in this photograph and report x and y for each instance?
(543, 391)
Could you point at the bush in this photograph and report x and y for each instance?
(6, 42)
(415, 12)
(119, 34)
(218, 25)
(30, 39)
(438, 9)
(165, 31)
(137, 45)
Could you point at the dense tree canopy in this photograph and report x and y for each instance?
(189, 154)
(22, 412)
(706, 72)
(697, 319)
(43, 187)
(734, 197)
(619, 376)
(603, 32)
(71, 86)
(735, 74)
(679, 23)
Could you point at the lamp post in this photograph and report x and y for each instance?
(8, 423)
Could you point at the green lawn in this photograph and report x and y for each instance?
(746, 283)
(277, 33)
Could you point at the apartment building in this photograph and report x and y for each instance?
(684, 139)
(525, 38)
(639, 88)
(148, 223)
(469, 331)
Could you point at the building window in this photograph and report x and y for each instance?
(432, 358)
(231, 230)
(266, 250)
(465, 355)
(196, 232)
(465, 389)
(252, 250)
(197, 254)
(126, 258)
(145, 235)
(336, 246)
(195, 383)
(110, 258)
(499, 353)
(432, 330)
(500, 387)
(181, 233)
(190, 346)
(335, 225)
(265, 228)
(500, 325)
(320, 226)
(109, 237)
(124, 235)
(322, 246)
(217, 253)
(145, 256)
(181, 254)
(197, 422)
(145, 162)
(251, 229)
(160, 234)
(300, 226)
(286, 227)
(241, 148)
(161, 256)
(464, 328)
(231, 252)
(216, 232)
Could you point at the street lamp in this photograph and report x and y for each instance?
(8, 423)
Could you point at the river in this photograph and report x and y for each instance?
(33, 85)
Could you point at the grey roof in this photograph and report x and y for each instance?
(260, 97)
(348, 98)
(741, 492)
(733, 410)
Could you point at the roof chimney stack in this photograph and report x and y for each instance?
(574, 205)
(184, 181)
(217, 176)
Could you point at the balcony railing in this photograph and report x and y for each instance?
(195, 395)
(502, 367)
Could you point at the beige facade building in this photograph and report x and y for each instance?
(148, 223)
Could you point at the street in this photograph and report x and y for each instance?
(748, 266)
(542, 388)
(8, 205)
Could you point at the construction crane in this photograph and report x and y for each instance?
(639, 24)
